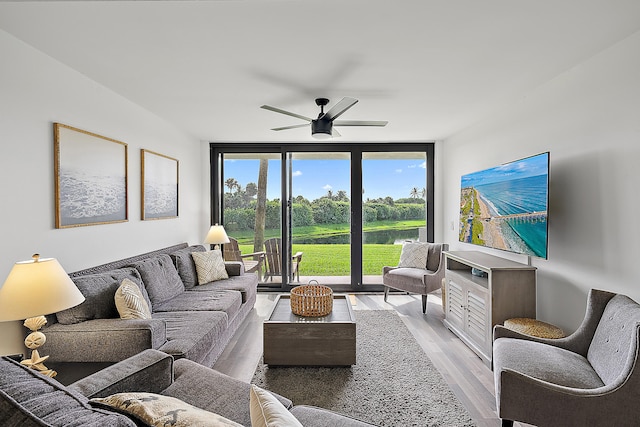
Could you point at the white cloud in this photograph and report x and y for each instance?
(327, 187)
(398, 170)
(296, 173)
(423, 165)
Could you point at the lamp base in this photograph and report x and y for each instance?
(34, 340)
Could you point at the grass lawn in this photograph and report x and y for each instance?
(334, 259)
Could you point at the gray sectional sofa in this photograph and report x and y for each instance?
(188, 321)
(29, 399)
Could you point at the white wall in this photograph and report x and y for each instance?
(36, 91)
(589, 120)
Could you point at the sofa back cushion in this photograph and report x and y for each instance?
(28, 398)
(613, 348)
(435, 252)
(185, 265)
(160, 278)
(99, 291)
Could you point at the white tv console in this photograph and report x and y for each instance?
(474, 305)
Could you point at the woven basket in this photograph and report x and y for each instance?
(311, 300)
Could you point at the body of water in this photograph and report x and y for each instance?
(520, 196)
(380, 237)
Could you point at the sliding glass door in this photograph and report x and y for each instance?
(314, 212)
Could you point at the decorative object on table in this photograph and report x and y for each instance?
(534, 327)
(216, 236)
(159, 175)
(34, 288)
(91, 178)
(312, 300)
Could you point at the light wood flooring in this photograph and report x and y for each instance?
(469, 378)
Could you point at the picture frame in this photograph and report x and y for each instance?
(160, 182)
(91, 181)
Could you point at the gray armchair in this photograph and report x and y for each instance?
(419, 281)
(586, 379)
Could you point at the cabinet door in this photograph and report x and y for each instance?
(455, 304)
(477, 319)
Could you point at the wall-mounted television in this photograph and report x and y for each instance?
(505, 207)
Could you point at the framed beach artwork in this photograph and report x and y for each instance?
(90, 178)
(159, 186)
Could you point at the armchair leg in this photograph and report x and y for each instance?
(424, 304)
(507, 423)
(386, 293)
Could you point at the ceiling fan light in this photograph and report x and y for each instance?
(321, 129)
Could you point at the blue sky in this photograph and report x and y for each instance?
(313, 178)
(531, 166)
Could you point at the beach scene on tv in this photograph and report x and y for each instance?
(505, 207)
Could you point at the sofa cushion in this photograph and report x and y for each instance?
(225, 301)
(28, 398)
(247, 285)
(185, 265)
(267, 411)
(160, 278)
(130, 302)
(99, 291)
(414, 255)
(160, 411)
(209, 266)
(192, 334)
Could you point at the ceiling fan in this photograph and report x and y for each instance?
(322, 127)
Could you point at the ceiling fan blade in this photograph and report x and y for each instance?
(291, 127)
(288, 113)
(360, 123)
(339, 108)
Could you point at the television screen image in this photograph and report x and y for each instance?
(505, 207)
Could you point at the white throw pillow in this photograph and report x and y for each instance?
(209, 266)
(130, 302)
(158, 410)
(267, 411)
(414, 255)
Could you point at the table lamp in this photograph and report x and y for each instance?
(216, 236)
(34, 288)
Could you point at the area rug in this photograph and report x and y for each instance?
(393, 383)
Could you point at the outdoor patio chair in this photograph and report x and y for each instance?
(273, 249)
(253, 262)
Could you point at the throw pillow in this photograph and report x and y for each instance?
(158, 410)
(414, 255)
(267, 411)
(209, 266)
(130, 302)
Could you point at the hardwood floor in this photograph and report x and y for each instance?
(466, 374)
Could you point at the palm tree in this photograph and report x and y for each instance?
(231, 183)
(423, 193)
(415, 193)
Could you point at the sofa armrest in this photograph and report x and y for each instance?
(86, 341)
(150, 371)
(234, 268)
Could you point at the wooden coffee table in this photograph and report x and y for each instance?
(291, 340)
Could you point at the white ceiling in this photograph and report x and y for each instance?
(429, 67)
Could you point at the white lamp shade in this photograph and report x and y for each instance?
(216, 235)
(37, 287)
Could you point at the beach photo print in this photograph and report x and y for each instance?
(505, 207)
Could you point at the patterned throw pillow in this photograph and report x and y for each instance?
(414, 255)
(209, 266)
(267, 411)
(158, 410)
(130, 302)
